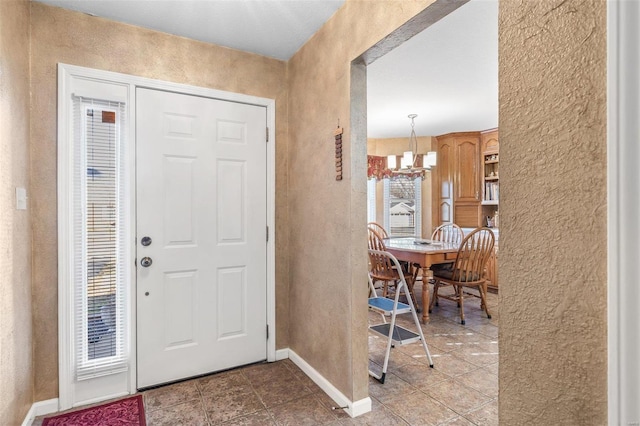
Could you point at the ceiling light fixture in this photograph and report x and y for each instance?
(409, 157)
(409, 160)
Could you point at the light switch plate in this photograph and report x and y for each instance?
(21, 199)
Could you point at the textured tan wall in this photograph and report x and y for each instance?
(75, 38)
(328, 217)
(16, 343)
(553, 347)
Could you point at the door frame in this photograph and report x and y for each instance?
(71, 80)
(623, 209)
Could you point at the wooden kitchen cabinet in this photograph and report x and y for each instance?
(446, 150)
(466, 187)
(490, 141)
(459, 179)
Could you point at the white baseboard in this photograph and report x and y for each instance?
(353, 408)
(282, 354)
(40, 408)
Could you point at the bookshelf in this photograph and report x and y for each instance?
(491, 168)
(491, 179)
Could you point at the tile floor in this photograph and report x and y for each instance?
(462, 389)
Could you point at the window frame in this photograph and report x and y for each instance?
(417, 182)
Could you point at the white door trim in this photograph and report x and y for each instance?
(623, 152)
(70, 79)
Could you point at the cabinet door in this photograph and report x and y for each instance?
(467, 167)
(468, 215)
(490, 144)
(445, 180)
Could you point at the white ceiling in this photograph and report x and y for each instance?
(274, 28)
(448, 74)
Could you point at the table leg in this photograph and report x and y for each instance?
(411, 280)
(425, 295)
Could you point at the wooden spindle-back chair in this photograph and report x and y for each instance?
(467, 271)
(381, 268)
(448, 233)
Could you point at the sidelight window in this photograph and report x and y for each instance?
(100, 269)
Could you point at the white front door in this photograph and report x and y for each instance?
(201, 235)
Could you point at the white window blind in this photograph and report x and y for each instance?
(403, 205)
(100, 231)
(371, 200)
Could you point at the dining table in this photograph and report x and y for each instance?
(422, 254)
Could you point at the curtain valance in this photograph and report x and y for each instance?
(377, 169)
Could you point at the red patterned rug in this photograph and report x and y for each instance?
(128, 411)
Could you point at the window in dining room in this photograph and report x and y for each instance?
(371, 200)
(403, 205)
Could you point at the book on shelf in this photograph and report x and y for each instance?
(492, 191)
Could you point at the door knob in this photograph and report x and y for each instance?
(146, 262)
(145, 241)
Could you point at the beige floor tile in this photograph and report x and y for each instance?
(303, 411)
(376, 342)
(489, 329)
(187, 413)
(281, 390)
(468, 335)
(224, 383)
(493, 368)
(306, 381)
(226, 406)
(265, 372)
(438, 324)
(457, 396)
(393, 386)
(419, 409)
(452, 365)
(397, 358)
(472, 347)
(261, 418)
(480, 358)
(458, 421)
(482, 381)
(421, 376)
(170, 395)
(416, 351)
(487, 415)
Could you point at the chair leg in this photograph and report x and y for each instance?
(483, 298)
(460, 293)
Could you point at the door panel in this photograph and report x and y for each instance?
(201, 198)
(178, 200)
(467, 159)
(445, 179)
(232, 302)
(231, 181)
(179, 321)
